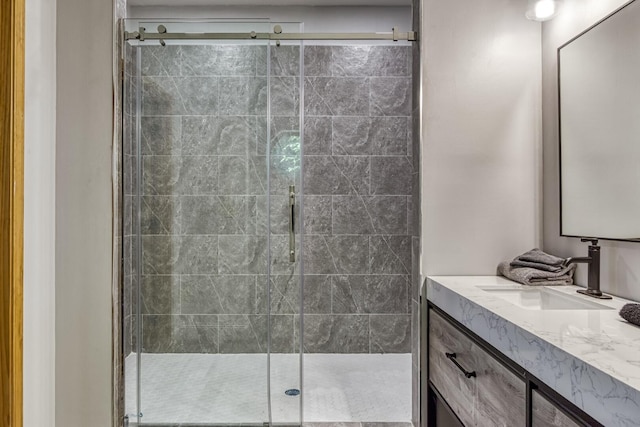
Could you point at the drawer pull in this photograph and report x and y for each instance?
(452, 357)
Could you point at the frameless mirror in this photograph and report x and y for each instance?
(599, 84)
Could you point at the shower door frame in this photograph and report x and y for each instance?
(296, 209)
(142, 35)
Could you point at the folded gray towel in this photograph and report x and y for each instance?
(631, 313)
(536, 255)
(518, 263)
(535, 277)
(536, 258)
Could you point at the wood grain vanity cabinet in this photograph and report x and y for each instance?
(471, 384)
(547, 414)
(479, 389)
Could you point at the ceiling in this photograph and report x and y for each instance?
(269, 3)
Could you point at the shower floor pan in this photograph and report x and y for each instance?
(215, 389)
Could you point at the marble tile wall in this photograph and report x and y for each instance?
(358, 198)
(203, 199)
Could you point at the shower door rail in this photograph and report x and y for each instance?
(277, 35)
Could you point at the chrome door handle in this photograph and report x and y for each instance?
(292, 225)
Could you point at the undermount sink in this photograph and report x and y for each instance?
(543, 299)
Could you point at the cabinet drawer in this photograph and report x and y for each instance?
(546, 414)
(490, 395)
(453, 385)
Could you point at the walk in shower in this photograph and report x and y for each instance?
(267, 226)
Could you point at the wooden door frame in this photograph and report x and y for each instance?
(12, 22)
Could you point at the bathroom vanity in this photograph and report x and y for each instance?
(503, 354)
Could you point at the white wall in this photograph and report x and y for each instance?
(83, 213)
(620, 269)
(481, 140)
(39, 213)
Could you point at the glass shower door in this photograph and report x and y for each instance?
(212, 146)
(286, 222)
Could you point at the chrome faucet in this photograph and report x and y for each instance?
(593, 263)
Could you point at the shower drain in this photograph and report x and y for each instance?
(292, 392)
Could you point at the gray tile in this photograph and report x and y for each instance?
(243, 96)
(285, 136)
(218, 215)
(351, 216)
(160, 294)
(351, 135)
(175, 175)
(385, 424)
(161, 60)
(160, 215)
(344, 96)
(317, 294)
(258, 177)
(410, 212)
(370, 294)
(390, 96)
(389, 135)
(317, 61)
(180, 254)
(317, 215)
(179, 96)
(391, 175)
(285, 295)
(390, 254)
(279, 219)
(237, 135)
(211, 60)
(285, 60)
(388, 213)
(126, 333)
(128, 171)
(200, 135)
(234, 175)
(317, 135)
(333, 175)
(390, 333)
(369, 215)
(329, 424)
(161, 135)
(127, 214)
(237, 214)
(180, 334)
(285, 96)
(210, 135)
(219, 294)
(200, 214)
(336, 333)
(242, 333)
(336, 254)
(282, 333)
(279, 251)
(370, 61)
(242, 255)
(285, 171)
(260, 53)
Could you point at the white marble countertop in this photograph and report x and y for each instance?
(591, 357)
